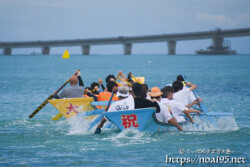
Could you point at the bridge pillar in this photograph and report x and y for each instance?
(218, 43)
(45, 50)
(85, 49)
(7, 51)
(171, 47)
(127, 48)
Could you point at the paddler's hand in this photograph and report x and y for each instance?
(96, 88)
(100, 81)
(78, 73)
(115, 89)
(198, 112)
(120, 73)
(154, 100)
(180, 128)
(196, 101)
(54, 92)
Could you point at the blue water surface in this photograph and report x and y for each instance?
(26, 81)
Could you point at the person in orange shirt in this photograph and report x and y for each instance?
(105, 96)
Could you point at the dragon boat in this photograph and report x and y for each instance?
(140, 119)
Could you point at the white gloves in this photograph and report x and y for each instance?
(78, 73)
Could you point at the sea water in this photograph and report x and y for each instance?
(26, 81)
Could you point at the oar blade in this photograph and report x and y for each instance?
(213, 114)
(96, 121)
(57, 117)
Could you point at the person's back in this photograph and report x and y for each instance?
(141, 102)
(176, 108)
(164, 114)
(126, 101)
(105, 96)
(74, 91)
(180, 94)
(191, 97)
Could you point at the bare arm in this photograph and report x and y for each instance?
(192, 111)
(192, 86)
(174, 123)
(100, 83)
(122, 75)
(187, 113)
(193, 103)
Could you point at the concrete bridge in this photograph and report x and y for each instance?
(217, 36)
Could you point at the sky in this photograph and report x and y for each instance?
(33, 20)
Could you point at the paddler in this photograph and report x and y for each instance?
(104, 96)
(175, 107)
(74, 91)
(140, 101)
(164, 114)
(182, 95)
(191, 96)
(126, 102)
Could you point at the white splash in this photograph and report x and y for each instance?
(78, 126)
(129, 136)
(214, 124)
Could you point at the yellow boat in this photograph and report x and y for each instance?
(71, 106)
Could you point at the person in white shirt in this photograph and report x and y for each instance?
(176, 107)
(191, 97)
(164, 114)
(126, 102)
(182, 95)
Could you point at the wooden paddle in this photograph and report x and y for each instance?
(135, 78)
(125, 81)
(57, 117)
(46, 101)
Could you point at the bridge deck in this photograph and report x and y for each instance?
(135, 39)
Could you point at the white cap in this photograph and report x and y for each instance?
(123, 91)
